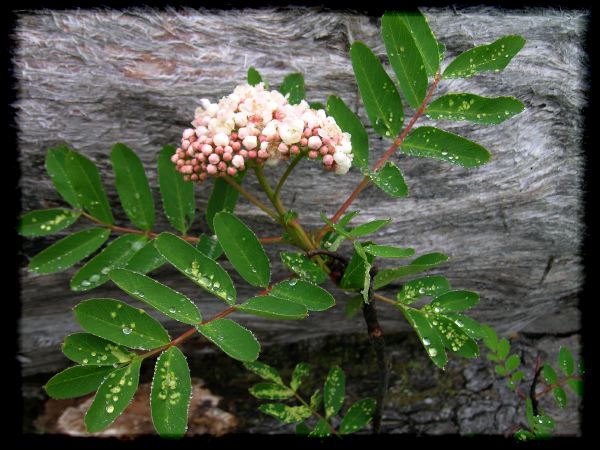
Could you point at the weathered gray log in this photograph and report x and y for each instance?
(513, 228)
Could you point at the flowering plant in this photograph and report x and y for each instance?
(249, 129)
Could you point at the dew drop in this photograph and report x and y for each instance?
(432, 352)
(127, 330)
(172, 310)
(110, 409)
(426, 341)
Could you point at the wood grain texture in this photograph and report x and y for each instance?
(92, 78)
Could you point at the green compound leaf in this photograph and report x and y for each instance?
(512, 362)
(490, 338)
(243, 249)
(116, 254)
(494, 56)
(46, 221)
(273, 308)
(55, 166)
(285, 413)
(304, 293)
(87, 349)
(431, 142)
(85, 179)
(162, 298)
(431, 286)
(270, 391)
(321, 429)
(264, 371)
(430, 49)
(177, 194)
(378, 91)
(474, 108)
(223, 197)
(358, 416)
(418, 265)
(429, 336)
(315, 399)
(120, 323)
(76, 381)
(209, 245)
(301, 371)
(405, 58)
(471, 327)
(113, 396)
(333, 239)
(68, 251)
(293, 84)
(503, 348)
(354, 275)
(146, 259)
(368, 228)
(235, 340)
(386, 251)
(390, 180)
(132, 186)
(560, 396)
(303, 267)
(205, 272)
(576, 386)
(565, 361)
(350, 123)
(549, 373)
(454, 301)
(454, 337)
(171, 394)
(353, 306)
(334, 391)
(253, 77)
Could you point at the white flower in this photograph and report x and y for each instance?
(291, 131)
(250, 142)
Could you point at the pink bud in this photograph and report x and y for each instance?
(231, 171)
(202, 176)
(174, 158)
(185, 144)
(228, 149)
(243, 132)
(237, 161)
(197, 145)
(186, 178)
(207, 149)
(193, 138)
(278, 115)
(208, 141)
(313, 154)
(222, 166)
(283, 148)
(254, 131)
(244, 153)
(328, 160)
(233, 136)
(263, 154)
(196, 168)
(190, 151)
(325, 140)
(295, 149)
(201, 157)
(315, 131)
(307, 133)
(303, 142)
(314, 142)
(194, 162)
(236, 146)
(210, 169)
(331, 149)
(262, 138)
(194, 177)
(227, 157)
(188, 132)
(180, 163)
(214, 159)
(252, 154)
(219, 150)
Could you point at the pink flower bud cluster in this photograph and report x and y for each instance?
(259, 125)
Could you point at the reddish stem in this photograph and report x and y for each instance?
(390, 151)
(267, 240)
